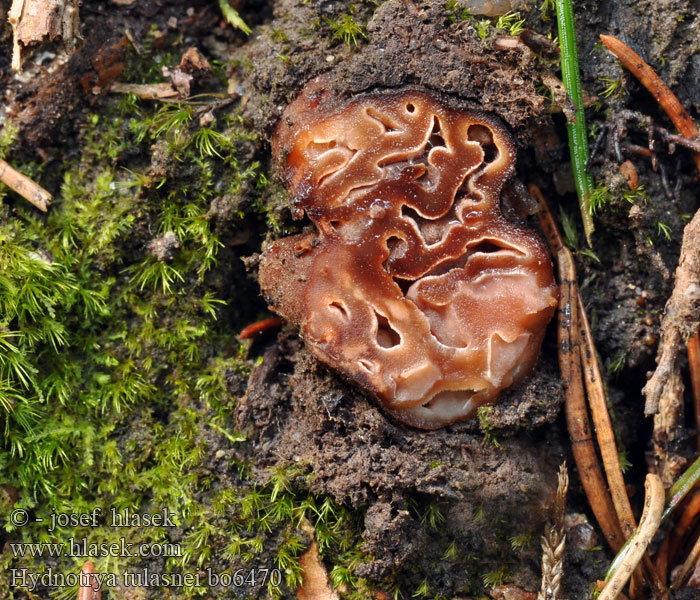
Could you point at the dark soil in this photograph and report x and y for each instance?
(492, 479)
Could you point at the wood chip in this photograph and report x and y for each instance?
(146, 91)
(37, 21)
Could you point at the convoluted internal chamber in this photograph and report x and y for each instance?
(413, 285)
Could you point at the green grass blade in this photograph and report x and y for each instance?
(578, 141)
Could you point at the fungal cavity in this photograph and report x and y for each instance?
(387, 336)
(338, 310)
(484, 136)
(413, 285)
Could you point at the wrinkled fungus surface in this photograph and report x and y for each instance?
(413, 285)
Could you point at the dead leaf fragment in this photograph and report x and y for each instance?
(629, 172)
(314, 585)
(193, 60)
(181, 81)
(511, 592)
(89, 585)
(107, 64)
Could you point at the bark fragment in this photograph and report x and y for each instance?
(37, 21)
(664, 391)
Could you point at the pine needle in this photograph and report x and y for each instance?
(578, 140)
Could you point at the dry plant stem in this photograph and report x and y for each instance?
(554, 542)
(606, 441)
(38, 21)
(664, 391)
(661, 92)
(661, 559)
(687, 566)
(648, 526)
(693, 347)
(681, 528)
(570, 365)
(680, 140)
(24, 186)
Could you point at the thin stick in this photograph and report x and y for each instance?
(606, 442)
(603, 426)
(578, 137)
(690, 512)
(24, 186)
(661, 92)
(687, 565)
(694, 365)
(570, 366)
(638, 543)
(661, 559)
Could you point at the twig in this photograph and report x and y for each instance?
(554, 542)
(570, 366)
(578, 137)
(661, 92)
(671, 138)
(664, 391)
(690, 512)
(627, 560)
(688, 564)
(661, 559)
(24, 186)
(693, 347)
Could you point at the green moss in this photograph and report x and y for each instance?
(511, 23)
(119, 371)
(483, 414)
(456, 12)
(346, 28)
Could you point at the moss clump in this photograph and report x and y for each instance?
(120, 363)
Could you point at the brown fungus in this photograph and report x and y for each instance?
(413, 285)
